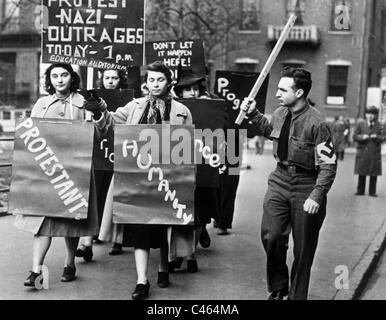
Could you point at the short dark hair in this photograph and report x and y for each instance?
(159, 66)
(302, 78)
(201, 88)
(75, 79)
(122, 79)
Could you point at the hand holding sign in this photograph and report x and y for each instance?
(248, 106)
(93, 103)
(269, 63)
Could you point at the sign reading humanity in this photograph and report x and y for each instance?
(104, 34)
(154, 174)
(51, 168)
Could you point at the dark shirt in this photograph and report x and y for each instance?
(309, 144)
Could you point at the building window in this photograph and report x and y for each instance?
(250, 15)
(297, 7)
(341, 15)
(337, 84)
(10, 13)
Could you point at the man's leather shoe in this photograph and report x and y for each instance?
(278, 294)
(68, 274)
(163, 279)
(175, 264)
(30, 281)
(85, 252)
(373, 195)
(204, 238)
(222, 232)
(116, 249)
(359, 194)
(141, 291)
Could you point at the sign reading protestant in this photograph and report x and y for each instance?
(51, 168)
(175, 54)
(154, 174)
(103, 34)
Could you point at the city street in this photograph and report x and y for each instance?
(232, 268)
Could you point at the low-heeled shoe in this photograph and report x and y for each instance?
(141, 291)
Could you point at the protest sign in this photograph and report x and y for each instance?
(155, 189)
(175, 54)
(103, 34)
(51, 168)
(235, 86)
(209, 114)
(103, 154)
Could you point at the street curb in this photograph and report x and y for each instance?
(362, 272)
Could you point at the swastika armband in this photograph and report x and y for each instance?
(325, 153)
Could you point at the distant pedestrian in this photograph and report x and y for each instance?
(368, 135)
(259, 143)
(297, 189)
(339, 133)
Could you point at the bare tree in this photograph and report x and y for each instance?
(213, 21)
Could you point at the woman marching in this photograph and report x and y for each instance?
(190, 86)
(63, 102)
(157, 107)
(110, 80)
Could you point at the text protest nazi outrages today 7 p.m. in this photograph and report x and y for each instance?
(99, 34)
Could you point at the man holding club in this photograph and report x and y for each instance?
(297, 189)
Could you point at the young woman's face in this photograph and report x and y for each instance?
(157, 83)
(190, 92)
(61, 80)
(110, 79)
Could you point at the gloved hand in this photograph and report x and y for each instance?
(93, 103)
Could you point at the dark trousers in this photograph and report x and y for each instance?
(227, 190)
(362, 185)
(283, 212)
(102, 183)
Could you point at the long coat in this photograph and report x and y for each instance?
(54, 108)
(181, 241)
(368, 161)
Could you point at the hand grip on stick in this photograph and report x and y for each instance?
(268, 64)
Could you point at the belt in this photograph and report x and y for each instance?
(295, 169)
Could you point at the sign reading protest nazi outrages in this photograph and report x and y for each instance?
(51, 168)
(154, 174)
(235, 86)
(208, 115)
(104, 34)
(103, 154)
(183, 54)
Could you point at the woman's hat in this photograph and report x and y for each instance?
(372, 109)
(186, 77)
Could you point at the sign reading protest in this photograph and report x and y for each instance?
(103, 154)
(104, 34)
(235, 86)
(183, 54)
(50, 169)
(208, 115)
(154, 174)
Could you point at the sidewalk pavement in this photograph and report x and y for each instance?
(233, 268)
